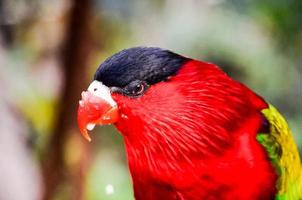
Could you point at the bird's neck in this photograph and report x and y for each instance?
(176, 166)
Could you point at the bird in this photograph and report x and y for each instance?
(190, 131)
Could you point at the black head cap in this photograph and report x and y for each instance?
(148, 64)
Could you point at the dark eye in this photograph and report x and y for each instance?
(136, 88)
(139, 89)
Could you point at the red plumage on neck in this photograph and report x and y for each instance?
(193, 136)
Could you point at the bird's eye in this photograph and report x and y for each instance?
(139, 89)
(136, 88)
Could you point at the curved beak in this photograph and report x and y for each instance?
(96, 108)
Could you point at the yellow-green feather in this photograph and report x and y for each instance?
(284, 155)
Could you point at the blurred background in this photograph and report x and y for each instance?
(49, 51)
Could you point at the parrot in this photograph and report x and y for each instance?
(190, 131)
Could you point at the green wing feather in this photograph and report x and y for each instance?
(284, 155)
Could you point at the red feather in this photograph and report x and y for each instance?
(194, 137)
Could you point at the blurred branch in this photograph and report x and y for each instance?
(74, 66)
(6, 30)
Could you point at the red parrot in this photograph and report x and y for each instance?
(190, 131)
